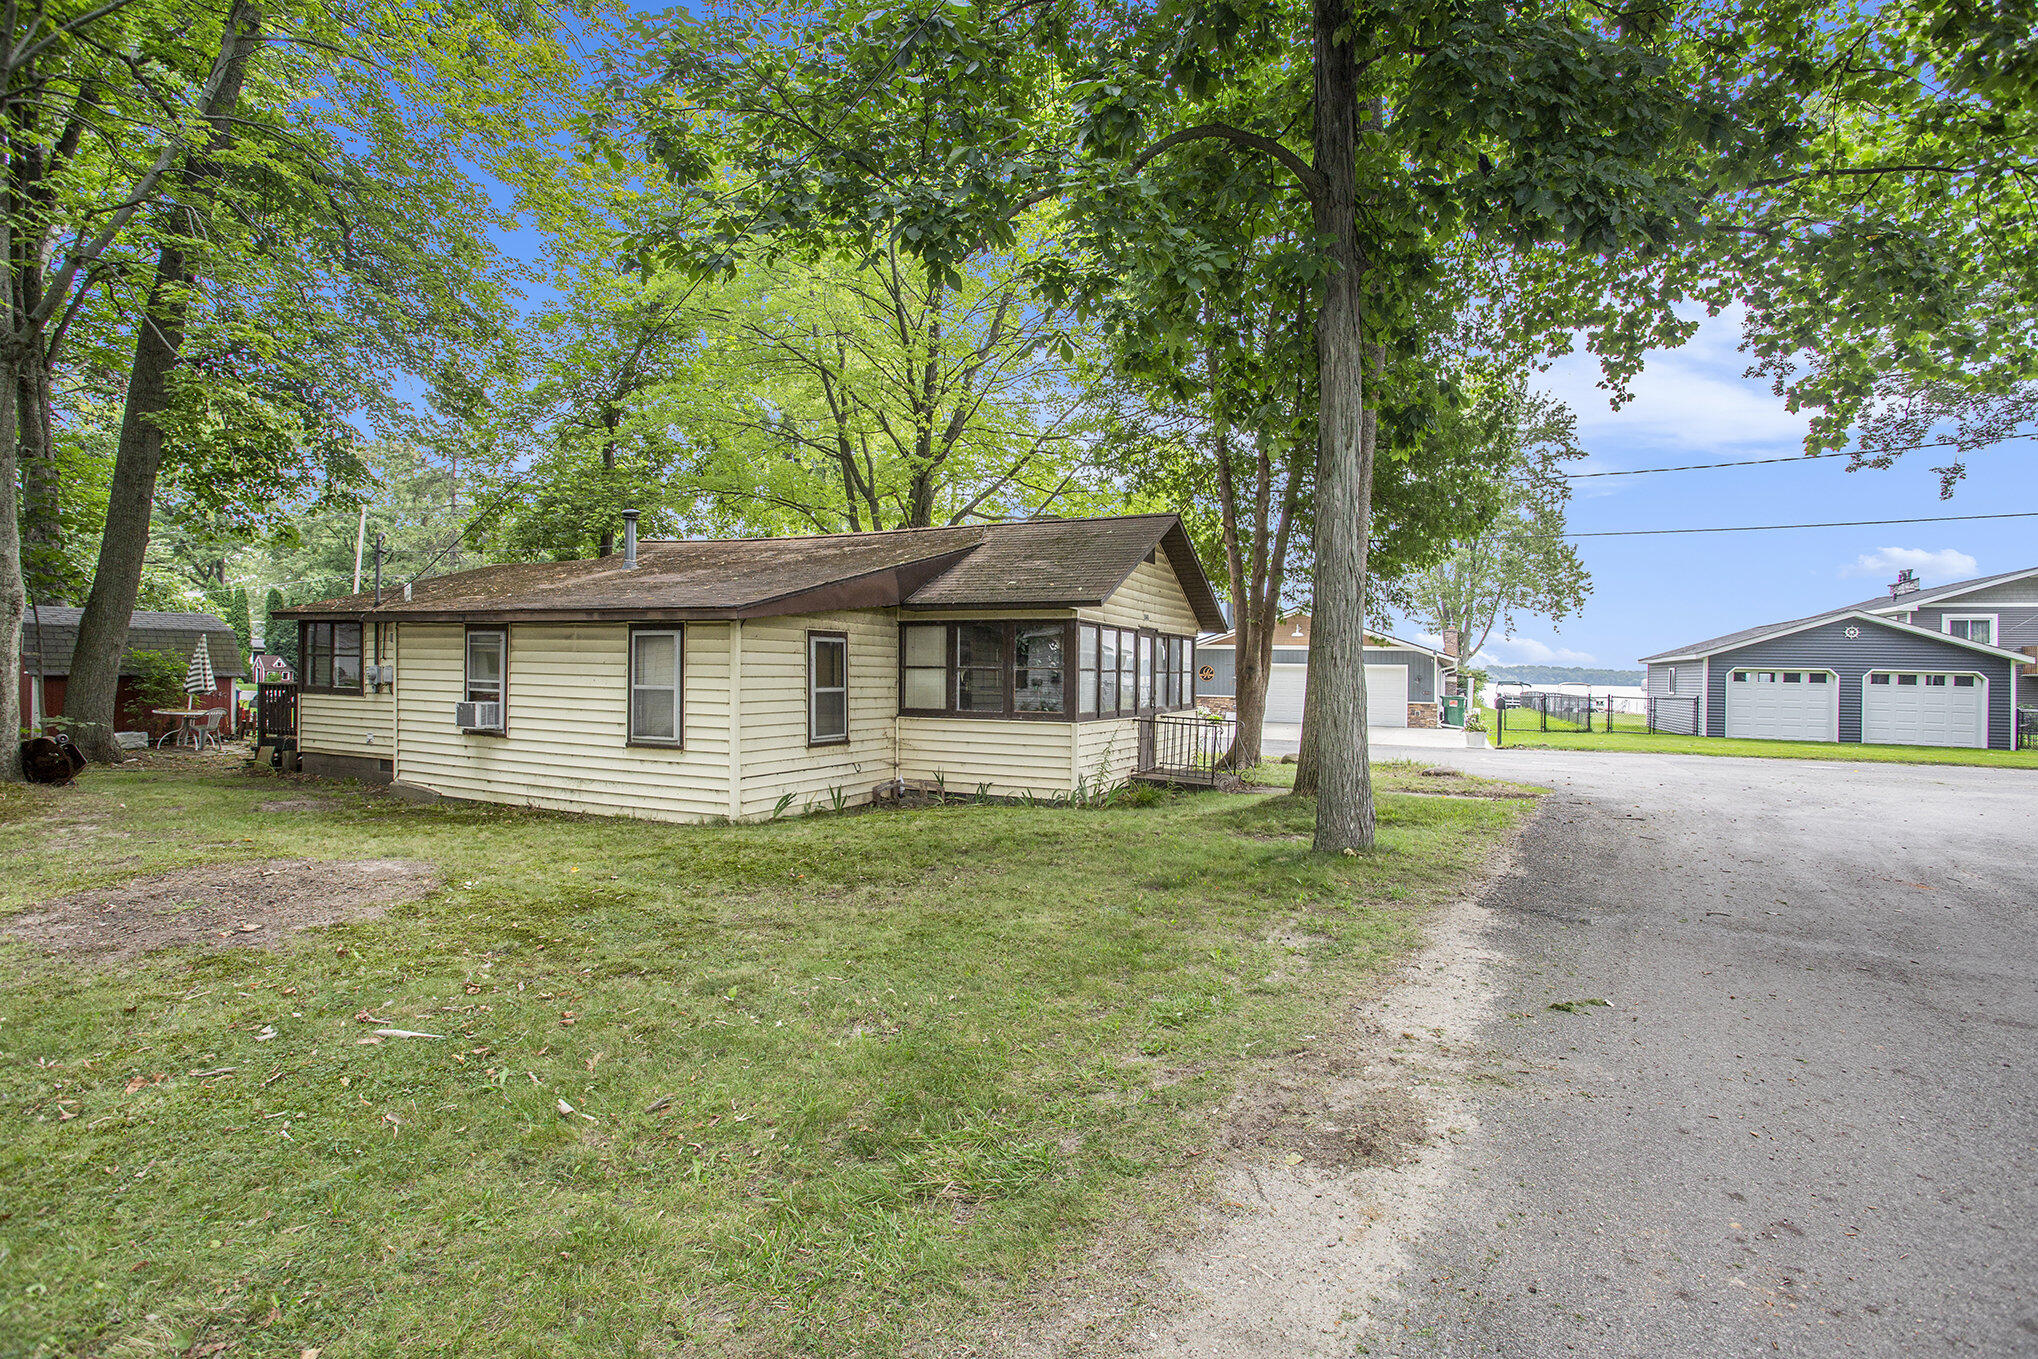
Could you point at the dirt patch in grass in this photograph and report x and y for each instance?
(251, 905)
(293, 804)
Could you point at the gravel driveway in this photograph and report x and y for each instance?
(1806, 1122)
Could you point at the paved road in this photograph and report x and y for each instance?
(1806, 1124)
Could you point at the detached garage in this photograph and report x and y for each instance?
(1404, 680)
(1850, 676)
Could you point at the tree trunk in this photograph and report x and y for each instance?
(1337, 662)
(42, 537)
(91, 693)
(13, 597)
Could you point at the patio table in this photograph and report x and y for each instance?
(185, 717)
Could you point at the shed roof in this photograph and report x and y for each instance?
(49, 635)
(1057, 562)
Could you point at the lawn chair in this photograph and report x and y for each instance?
(207, 728)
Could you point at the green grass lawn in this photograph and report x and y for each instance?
(1628, 739)
(837, 1085)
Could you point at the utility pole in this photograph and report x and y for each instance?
(360, 538)
(378, 568)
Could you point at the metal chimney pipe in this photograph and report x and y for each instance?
(629, 539)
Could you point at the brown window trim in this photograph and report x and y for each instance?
(1008, 668)
(304, 684)
(1160, 706)
(503, 630)
(1072, 672)
(678, 741)
(814, 634)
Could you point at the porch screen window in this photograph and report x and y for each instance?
(332, 656)
(827, 688)
(924, 684)
(485, 652)
(1107, 702)
(1128, 672)
(979, 668)
(1086, 671)
(1038, 663)
(1146, 674)
(654, 687)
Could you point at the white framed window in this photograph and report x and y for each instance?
(657, 665)
(488, 677)
(923, 675)
(1975, 627)
(827, 688)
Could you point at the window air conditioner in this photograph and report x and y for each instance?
(478, 716)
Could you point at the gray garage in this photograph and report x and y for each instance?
(1851, 676)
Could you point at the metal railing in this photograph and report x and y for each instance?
(1184, 749)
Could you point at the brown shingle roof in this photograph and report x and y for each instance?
(1039, 562)
(47, 649)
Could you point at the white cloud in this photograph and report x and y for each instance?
(1529, 651)
(1933, 568)
(1694, 399)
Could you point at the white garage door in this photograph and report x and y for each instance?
(1285, 684)
(1386, 694)
(1918, 708)
(1783, 705)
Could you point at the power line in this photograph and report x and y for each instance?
(1764, 462)
(1773, 528)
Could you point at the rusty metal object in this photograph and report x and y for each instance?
(51, 759)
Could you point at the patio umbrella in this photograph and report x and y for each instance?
(198, 678)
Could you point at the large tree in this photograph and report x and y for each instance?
(1519, 562)
(314, 239)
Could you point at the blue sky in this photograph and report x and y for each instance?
(1693, 405)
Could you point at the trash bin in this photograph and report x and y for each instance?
(1454, 710)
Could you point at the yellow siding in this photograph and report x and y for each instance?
(965, 753)
(776, 757)
(1151, 597)
(567, 723)
(1106, 751)
(347, 724)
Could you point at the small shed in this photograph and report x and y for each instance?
(49, 636)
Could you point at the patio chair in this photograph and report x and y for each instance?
(207, 728)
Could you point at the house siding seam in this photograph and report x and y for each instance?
(776, 757)
(1827, 647)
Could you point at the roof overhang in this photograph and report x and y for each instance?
(1792, 629)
